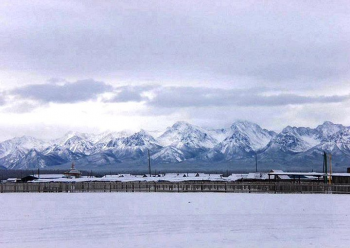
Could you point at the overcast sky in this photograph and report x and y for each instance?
(92, 66)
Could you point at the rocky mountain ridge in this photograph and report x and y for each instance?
(182, 143)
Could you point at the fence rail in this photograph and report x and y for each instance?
(228, 187)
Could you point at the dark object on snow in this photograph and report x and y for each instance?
(28, 179)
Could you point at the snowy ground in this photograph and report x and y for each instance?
(173, 220)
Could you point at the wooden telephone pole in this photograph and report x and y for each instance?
(325, 169)
(149, 163)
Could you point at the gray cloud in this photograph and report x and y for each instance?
(177, 97)
(299, 46)
(276, 41)
(82, 90)
(131, 93)
(21, 107)
(57, 80)
(2, 99)
(170, 97)
(289, 99)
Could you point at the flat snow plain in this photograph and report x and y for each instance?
(173, 220)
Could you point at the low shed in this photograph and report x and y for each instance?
(28, 179)
(341, 178)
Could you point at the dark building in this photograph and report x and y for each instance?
(28, 179)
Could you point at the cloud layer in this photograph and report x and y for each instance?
(157, 96)
(2, 99)
(183, 97)
(152, 63)
(82, 90)
(174, 97)
(275, 42)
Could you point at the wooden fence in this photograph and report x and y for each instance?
(228, 187)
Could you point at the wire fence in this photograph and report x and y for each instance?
(225, 187)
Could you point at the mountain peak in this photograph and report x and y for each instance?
(26, 137)
(183, 134)
(288, 129)
(23, 139)
(244, 122)
(328, 129)
(244, 125)
(328, 123)
(250, 135)
(140, 138)
(142, 132)
(181, 124)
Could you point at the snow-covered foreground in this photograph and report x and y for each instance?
(173, 220)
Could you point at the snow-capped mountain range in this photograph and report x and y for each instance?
(183, 143)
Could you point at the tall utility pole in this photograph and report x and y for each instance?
(256, 162)
(149, 163)
(325, 169)
(330, 169)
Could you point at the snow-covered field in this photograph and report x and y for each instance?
(173, 220)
